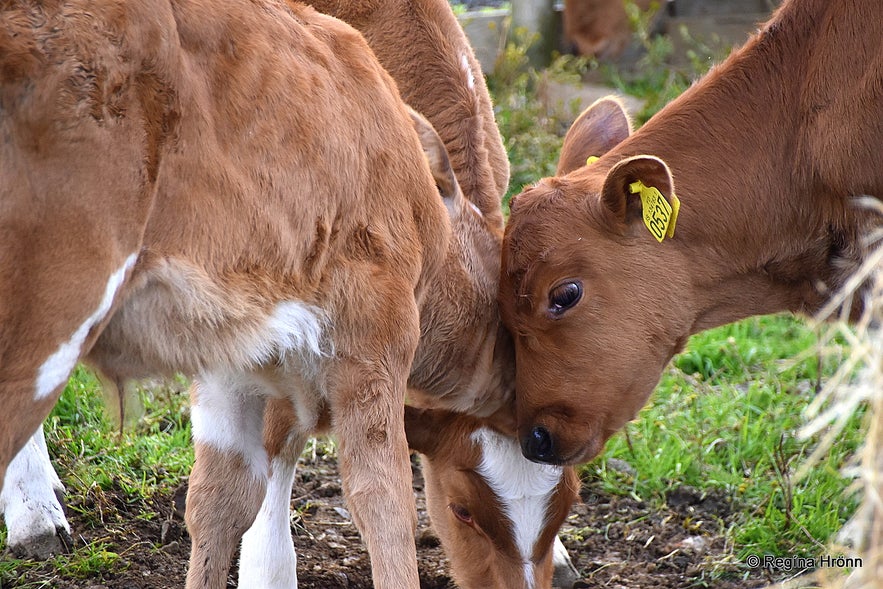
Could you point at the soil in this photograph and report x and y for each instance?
(614, 541)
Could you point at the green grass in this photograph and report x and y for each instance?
(93, 457)
(724, 420)
(153, 451)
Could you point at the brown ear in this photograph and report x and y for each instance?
(617, 197)
(437, 156)
(423, 429)
(595, 132)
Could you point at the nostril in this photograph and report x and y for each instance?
(538, 445)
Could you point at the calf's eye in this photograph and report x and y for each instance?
(564, 296)
(461, 513)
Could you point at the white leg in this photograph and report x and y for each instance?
(565, 573)
(34, 517)
(267, 559)
(229, 476)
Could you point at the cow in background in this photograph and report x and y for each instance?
(604, 277)
(600, 28)
(423, 47)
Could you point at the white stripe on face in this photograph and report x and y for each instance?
(523, 488)
(55, 370)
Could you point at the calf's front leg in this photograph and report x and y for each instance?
(367, 398)
(376, 475)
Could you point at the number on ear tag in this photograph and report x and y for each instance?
(660, 216)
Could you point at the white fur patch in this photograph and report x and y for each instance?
(470, 77)
(228, 416)
(294, 327)
(523, 488)
(55, 370)
(267, 558)
(529, 574)
(28, 500)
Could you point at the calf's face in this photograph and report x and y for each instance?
(587, 293)
(496, 513)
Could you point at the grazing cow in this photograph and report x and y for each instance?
(238, 193)
(767, 155)
(599, 28)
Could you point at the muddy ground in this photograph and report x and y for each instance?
(615, 541)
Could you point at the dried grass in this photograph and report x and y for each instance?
(857, 383)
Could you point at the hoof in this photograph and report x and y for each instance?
(43, 546)
(565, 573)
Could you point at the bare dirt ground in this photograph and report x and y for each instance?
(614, 541)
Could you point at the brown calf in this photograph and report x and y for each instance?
(767, 154)
(236, 193)
(448, 87)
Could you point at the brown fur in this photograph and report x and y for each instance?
(248, 157)
(421, 44)
(767, 154)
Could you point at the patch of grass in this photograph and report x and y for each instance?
(462, 8)
(724, 420)
(658, 77)
(531, 136)
(151, 452)
(85, 562)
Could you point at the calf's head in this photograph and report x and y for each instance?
(586, 292)
(497, 514)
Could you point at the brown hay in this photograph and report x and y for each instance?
(843, 394)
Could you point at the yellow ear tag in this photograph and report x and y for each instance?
(591, 159)
(659, 216)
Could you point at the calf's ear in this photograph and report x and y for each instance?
(422, 429)
(621, 195)
(437, 156)
(596, 131)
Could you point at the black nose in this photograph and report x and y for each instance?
(537, 445)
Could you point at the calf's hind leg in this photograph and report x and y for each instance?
(229, 477)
